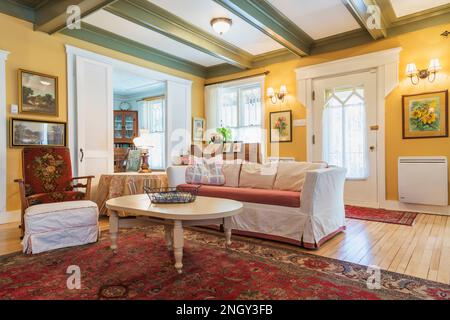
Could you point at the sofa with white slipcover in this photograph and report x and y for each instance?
(295, 202)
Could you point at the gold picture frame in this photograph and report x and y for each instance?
(425, 115)
(280, 126)
(30, 133)
(38, 93)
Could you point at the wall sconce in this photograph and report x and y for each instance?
(430, 73)
(274, 96)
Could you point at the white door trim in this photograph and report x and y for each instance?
(3, 131)
(386, 62)
(72, 52)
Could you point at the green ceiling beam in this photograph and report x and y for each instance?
(358, 9)
(17, 10)
(112, 41)
(152, 17)
(341, 41)
(52, 17)
(266, 18)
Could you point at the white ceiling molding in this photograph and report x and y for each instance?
(3, 132)
(385, 63)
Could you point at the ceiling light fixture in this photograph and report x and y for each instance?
(221, 25)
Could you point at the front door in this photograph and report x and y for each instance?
(344, 132)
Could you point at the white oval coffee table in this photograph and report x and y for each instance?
(203, 211)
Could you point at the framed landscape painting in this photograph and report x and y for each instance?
(37, 133)
(38, 93)
(425, 115)
(281, 126)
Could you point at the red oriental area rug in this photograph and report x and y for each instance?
(381, 215)
(143, 268)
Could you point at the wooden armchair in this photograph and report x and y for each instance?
(47, 178)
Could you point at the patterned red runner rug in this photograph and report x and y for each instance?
(143, 268)
(381, 215)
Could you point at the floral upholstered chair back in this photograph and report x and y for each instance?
(47, 173)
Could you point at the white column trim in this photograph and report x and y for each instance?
(386, 63)
(3, 131)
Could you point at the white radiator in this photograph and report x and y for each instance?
(423, 180)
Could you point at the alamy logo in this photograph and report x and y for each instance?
(74, 279)
(373, 17)
(374, 279)
(73, 20)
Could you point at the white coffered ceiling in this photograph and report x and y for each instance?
(200, 13)
(406, 7)
(318, 18)
(132, 31)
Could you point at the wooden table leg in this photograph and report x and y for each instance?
(178, 243)
(113, 228)
(168, 233)
(227, 229)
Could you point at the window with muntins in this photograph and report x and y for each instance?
(241, 111)
(345, 132)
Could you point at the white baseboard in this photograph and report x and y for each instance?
(400, 206)
(9, 217)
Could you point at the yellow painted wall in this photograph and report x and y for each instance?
(40, 52)
(418, 47)
(37, 51)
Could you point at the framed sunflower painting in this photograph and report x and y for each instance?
(425, 115)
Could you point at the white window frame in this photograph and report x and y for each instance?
(243, 83)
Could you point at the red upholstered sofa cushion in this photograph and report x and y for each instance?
(263, 196)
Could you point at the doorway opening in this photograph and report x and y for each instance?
(139, 109)
(163, 108)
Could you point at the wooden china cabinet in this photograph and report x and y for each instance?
(126, 127)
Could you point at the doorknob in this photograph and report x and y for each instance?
(82, 154)
(372, 148)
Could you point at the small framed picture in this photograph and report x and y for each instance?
(198, 129)
(25, 133)
(281, 126)
(237, 147)
(425, 115)
(38, 93)
(228, 147)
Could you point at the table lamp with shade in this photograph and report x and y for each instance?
(144, 143)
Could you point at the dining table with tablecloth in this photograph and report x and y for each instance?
(115, 185)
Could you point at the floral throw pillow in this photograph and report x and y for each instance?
(208, 172)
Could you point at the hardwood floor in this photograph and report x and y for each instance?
(422, 250)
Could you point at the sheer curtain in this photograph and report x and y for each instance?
(345, 132)
(237, 105)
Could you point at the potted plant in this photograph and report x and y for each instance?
(225, 133)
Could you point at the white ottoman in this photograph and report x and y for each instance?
(57, 225)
